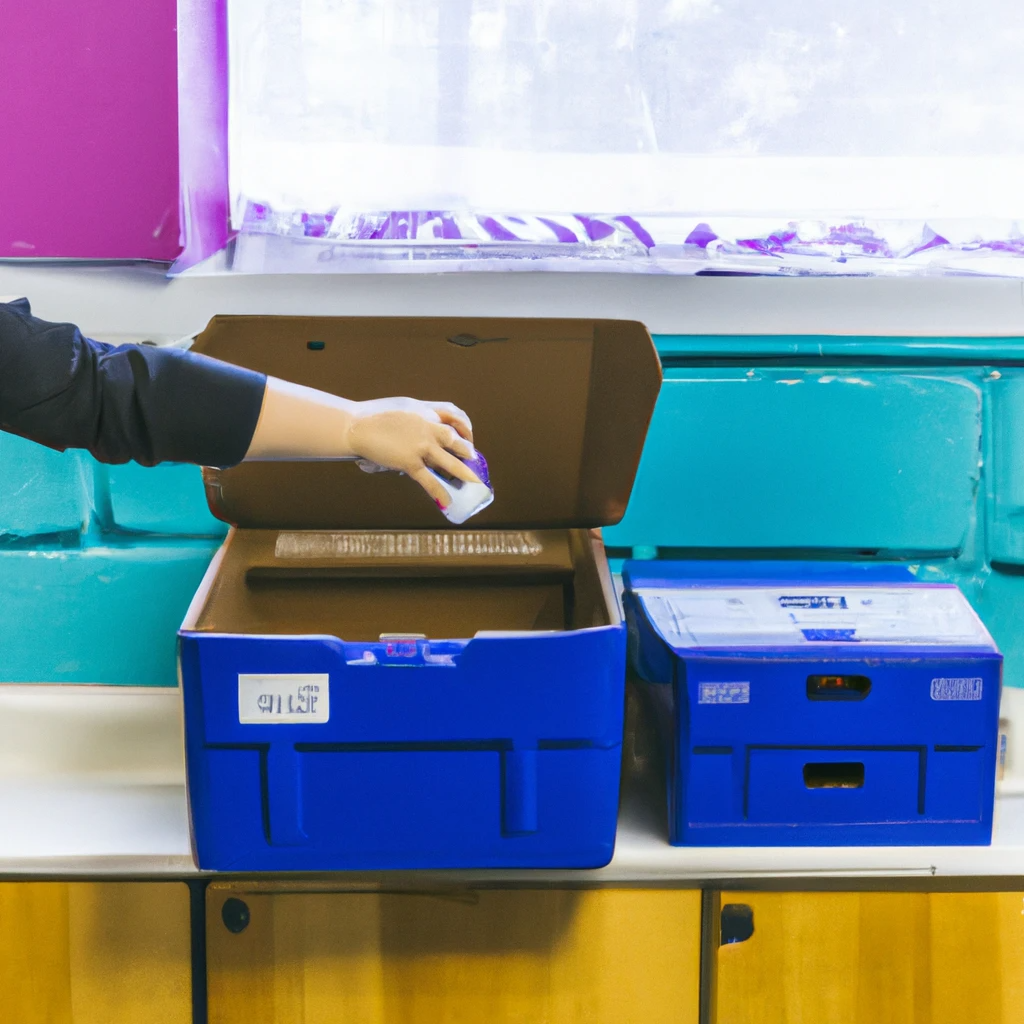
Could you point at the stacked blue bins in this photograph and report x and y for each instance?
(366, 687)
(816, 704)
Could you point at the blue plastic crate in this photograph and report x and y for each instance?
(366, 688)
(501, 751)
(817, 704)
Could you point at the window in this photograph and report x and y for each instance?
(845, 136)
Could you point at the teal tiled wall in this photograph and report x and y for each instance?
(788, 458)
(101, 613)
(766, 447)
(879, 449)
(97, 566)
(41, 491)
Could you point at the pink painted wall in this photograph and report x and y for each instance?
(203, 128)
(89, 129)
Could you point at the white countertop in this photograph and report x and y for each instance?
(92, 782)
(92, 786)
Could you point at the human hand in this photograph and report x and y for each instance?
(413, 437)
(403, 434)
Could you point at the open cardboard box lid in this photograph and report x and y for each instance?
(560, 410)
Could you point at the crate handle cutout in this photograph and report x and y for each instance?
(838, 687)
(834, 775)
(736, 923)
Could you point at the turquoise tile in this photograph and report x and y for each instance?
(1006, 504)
(41, 491)
(999, 600)
(866, 460)
(877, 349)
(167, 499)
(97, 614)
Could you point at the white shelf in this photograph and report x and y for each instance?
(642, 854)
(75, 828)
(81, 796)
(92, 782)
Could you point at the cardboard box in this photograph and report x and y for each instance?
(367, 687)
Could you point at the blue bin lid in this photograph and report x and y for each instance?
(846, 609)
(639, 574)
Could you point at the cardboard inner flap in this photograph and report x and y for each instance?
(359, 586)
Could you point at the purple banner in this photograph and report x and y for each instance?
(89, 115)
(203, 132)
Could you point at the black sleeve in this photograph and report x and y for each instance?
(132, 402)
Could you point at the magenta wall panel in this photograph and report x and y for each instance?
(203, 96)
(89, 163)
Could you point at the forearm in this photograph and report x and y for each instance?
(297, 422)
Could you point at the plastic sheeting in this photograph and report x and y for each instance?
(672, 135)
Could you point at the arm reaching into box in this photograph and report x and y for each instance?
(401, 434)
(150, 405)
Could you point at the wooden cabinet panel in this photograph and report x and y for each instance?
(875, 958)
(500, 956)
(95, 953)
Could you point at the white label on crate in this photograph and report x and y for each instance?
(284, 699)
(956, 689)
(723, 693)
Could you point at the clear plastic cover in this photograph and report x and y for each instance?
(443, 544)
(673, 134)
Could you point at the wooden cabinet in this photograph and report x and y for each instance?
(113, 953)
(95, 953)
(874, 958)
(520, 956)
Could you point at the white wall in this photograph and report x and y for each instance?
(139, 302)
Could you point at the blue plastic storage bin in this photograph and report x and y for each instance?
(809, 704)
(367, 688)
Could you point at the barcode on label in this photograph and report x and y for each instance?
(956, 689)
(284, 699)
(723, 693)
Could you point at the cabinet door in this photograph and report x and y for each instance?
(873, 958)
(95, 953)
(494, 956)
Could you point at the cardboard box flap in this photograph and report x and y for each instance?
(560, 409)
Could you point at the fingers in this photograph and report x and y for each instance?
(430, 411)
(454, 417)
(448, 463)
(416, 442)
(447, 437)
(431, 485)
(436, 412)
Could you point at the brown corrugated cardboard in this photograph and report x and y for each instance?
(560, 409)
(557, 585)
